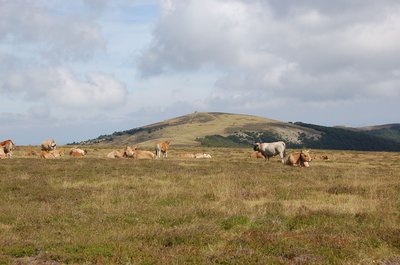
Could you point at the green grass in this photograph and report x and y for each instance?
(226, 210)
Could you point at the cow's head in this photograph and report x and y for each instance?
(256, 147)
(128, 152)
(305, 157)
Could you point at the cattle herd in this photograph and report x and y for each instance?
(261, 151)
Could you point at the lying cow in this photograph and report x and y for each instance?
(77, 152)
(116, 154)
(7, 147)
(48, 145)
(271, 149)
(32, 153)
(134, 153)
(257, 155)
(202, 155)
(186, 155)
(299, 159)
(162, 149)
(52, 154)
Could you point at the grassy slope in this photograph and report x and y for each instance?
(229, 210)
(184, 130)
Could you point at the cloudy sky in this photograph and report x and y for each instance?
(73, 70)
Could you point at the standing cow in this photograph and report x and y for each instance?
(271, 149)
(7, 147)
(162, 148)
(48, 145)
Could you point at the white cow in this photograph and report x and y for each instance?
(48, 145)
(271, 149)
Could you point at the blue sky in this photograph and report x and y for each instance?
(73, 70)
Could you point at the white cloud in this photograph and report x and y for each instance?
(311, 50)
(55, 36)
(61, 89)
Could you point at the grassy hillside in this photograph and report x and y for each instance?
(188, 130)
(225, 210)
(234, 130)
(343, 139)
(389, 131)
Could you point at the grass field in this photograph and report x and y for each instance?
(225, 210)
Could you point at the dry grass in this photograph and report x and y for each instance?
(226, 210)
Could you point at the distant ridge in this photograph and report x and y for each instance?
(219, 129)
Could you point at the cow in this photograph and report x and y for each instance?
(52, 154)
(8, 146)
(2, 154)
(202, 155)
(186, 155)
(162, 148)
(134, 153)
(271, 149)
(300, 159)
(32, 153)
(77, 152)
(48, 145)
(47, 155)
(257, 155)
(116, 154)
(324, 157)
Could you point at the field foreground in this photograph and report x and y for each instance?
(225, 210)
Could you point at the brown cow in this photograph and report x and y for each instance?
(300, 159)
(257, 155)
(77, 152)
(8, 146)
(162, 148)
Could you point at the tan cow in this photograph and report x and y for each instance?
(257, 155)
(48, 145)
(162, 148)
(116, 154)
(77, 152)
(186, 155)
(2, 154)
(300, 159)
(7, 146)
(52, 154)
(32, 153)
(134, 153)
(202, 155)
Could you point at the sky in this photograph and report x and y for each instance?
(74, 70)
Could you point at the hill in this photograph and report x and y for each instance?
(388, 131)
(217, 129)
